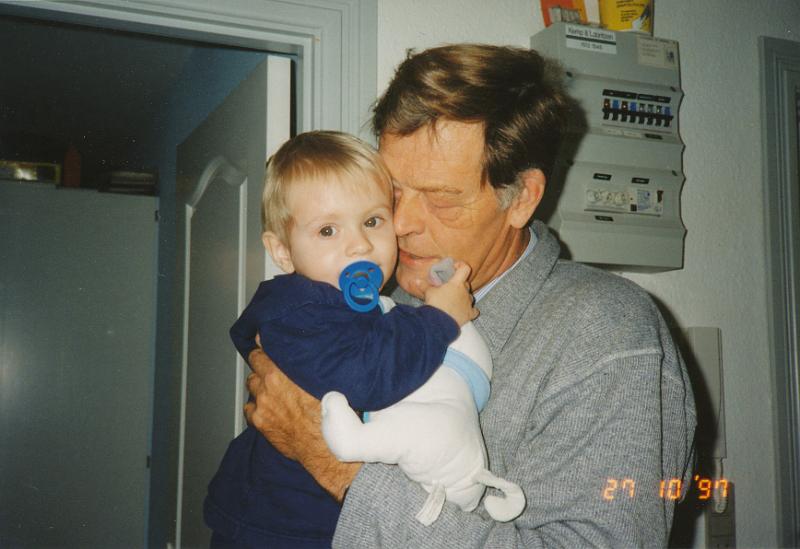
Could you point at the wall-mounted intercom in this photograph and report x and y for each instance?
(617, 185)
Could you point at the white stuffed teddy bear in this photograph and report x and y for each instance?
(433, 434)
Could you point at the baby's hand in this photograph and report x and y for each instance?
(453, 297)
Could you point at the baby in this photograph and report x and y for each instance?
(327, 205)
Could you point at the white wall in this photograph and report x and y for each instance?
(723, 282)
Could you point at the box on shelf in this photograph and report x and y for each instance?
(42, 172)
(615, 15)
(129, 182)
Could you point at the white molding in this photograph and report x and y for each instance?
(189, 211)
(780, 81)
(241, 297)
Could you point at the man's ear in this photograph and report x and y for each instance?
(279, 251)
(528, 199)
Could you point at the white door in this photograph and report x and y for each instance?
(220, 177)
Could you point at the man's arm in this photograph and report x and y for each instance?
(606, 426)
(290, 419)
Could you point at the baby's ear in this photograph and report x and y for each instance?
(279, 251)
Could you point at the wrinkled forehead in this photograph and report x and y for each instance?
(450, 155)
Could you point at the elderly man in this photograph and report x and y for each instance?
(589, 392)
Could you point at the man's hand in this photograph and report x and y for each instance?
(290, 419)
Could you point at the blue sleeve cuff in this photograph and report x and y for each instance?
(471, 373)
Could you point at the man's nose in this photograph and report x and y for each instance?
(408, 218)
(359, 244)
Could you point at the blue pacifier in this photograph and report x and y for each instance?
(361, 283)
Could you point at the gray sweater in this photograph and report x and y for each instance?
(590, 410)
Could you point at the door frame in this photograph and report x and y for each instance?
(335, 42)
(334, 46)
(780, 79)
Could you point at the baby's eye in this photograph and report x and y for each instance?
(327, 231)
(373, 221)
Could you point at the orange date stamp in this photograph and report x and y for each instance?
(670, 489)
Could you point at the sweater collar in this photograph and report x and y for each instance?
(504, 304)
(492, 283)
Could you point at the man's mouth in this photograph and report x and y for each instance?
(407, 258)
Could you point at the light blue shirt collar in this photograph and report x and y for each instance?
(528, 249)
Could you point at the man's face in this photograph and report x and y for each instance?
(442, 207)
(336, 223)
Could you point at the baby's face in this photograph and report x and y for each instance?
(336, 223)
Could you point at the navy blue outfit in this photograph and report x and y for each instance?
(259, 498)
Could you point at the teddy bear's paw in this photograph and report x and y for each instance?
(340, 426)
(332, 401)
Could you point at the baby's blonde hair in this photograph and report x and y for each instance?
(316, 156)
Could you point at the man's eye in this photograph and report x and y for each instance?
(373, 221)
(441, 200)
(327, 231)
